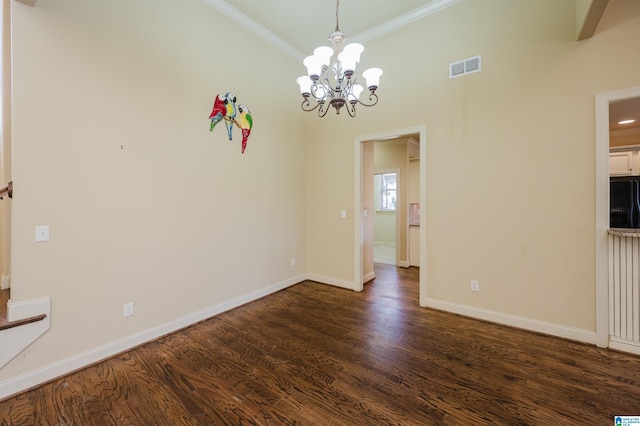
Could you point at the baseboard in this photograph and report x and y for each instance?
(42, 375)
(384, 244)
(403, 264)
(624, 345)
(5, 282)
(571, 333)
(331, 281)
(368, 277)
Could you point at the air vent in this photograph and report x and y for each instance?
(467, 66)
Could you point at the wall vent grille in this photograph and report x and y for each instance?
(464, 67)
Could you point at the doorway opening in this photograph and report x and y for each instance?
(385, 221)
(364, 205)
(603, 102)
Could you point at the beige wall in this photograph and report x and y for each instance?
(112, 150)
(510, 152)
(385, 227)
(177, 220)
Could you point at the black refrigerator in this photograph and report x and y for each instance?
(624, 207)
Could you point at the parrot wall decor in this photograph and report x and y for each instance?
(245, 122)
(224, 108)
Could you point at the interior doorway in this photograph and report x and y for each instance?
(363, 244)
(386, 199)
(603, 101)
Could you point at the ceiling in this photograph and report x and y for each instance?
(624, 110)
(299, 26)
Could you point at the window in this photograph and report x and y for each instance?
(386, 189)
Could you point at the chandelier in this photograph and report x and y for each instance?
(330, 78)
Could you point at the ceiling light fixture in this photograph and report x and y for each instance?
(627, 121)
(330, 78)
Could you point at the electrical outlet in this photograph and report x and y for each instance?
(128, 309)
(475, 285)
(293, 261)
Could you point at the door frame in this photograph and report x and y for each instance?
(357, 222)
(602, 101)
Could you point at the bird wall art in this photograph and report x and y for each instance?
(245, 122)
(224, 108)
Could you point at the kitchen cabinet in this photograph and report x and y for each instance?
(624, 162)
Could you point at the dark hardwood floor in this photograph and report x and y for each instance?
(318, 355)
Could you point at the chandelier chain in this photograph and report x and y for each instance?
(337, 19)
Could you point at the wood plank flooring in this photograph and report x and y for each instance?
(318, 355)
(4, 298)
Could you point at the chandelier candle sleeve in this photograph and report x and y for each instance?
(372, 75)
(331, 79)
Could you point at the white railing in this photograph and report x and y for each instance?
(624, 287)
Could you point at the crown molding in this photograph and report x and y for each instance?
(407, 18)
(231, 12)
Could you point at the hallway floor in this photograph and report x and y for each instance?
(384, 253)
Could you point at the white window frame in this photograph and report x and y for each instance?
(380, 191)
